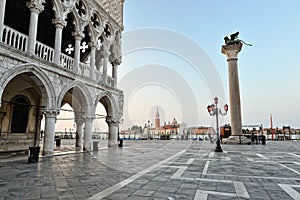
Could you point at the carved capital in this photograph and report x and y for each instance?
(35, 5)
(59, 23)
(88, 117)
(232, 50)
(78, 35)
(50, 112)
(112, 121)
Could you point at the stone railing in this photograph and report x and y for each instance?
(67, 62)
(44, 52)
(13, 38)
(19, 41)
(84, 69)
(98, 76)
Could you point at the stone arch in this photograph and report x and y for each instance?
(108, 102)
(61, 9)
(41, 80)
(82, 94)
(113, 116)
(80, 21)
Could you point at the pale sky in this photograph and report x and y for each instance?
(168, 72)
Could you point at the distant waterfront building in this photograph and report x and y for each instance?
(167, 131)
(200, 132)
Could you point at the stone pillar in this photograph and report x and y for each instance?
(59, 24)
(49, 134)
(35, 8)
(78, 37)
(115, 73)
(79, 131)
(231, 51)
(106, 55)
(2, 14)
(87, 143)
(113, 131)
(93, 60)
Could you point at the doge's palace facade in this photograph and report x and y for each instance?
(57, 52)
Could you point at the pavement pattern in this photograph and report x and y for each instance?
(158, 170)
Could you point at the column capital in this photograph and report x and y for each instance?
(116, 62)
(112, 121)
(88, 117)
(50, 112)
(36, 5)
(78, 35)
(232, 50)
(59, 23)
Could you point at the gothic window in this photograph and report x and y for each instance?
(20, 109)
(81, 9)
(95, 21)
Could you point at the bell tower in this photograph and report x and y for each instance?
(157, 120)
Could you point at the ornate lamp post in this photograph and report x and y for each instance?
(213, 110)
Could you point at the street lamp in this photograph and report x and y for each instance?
(213, 110)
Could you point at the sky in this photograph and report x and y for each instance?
(172, 60)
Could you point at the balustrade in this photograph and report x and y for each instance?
(84, 69)
(44, 52)
(14, 38)
(19, 41)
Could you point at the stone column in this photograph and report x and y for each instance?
(49, 134)
(231, 51)
(115, 73)
(106, 55)
(35, 8)
(59, 25)
(78, 37)
(93, 46)
(87, 143)
(113, 131)
(79, 131)
(2, 14)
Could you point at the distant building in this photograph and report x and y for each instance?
(166, 132)
(200, 132)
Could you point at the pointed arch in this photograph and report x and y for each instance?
(108, 102)
(81, 93)
(41, 80)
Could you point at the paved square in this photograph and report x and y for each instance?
(167, 170)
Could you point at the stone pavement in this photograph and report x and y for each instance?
(162, 170)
